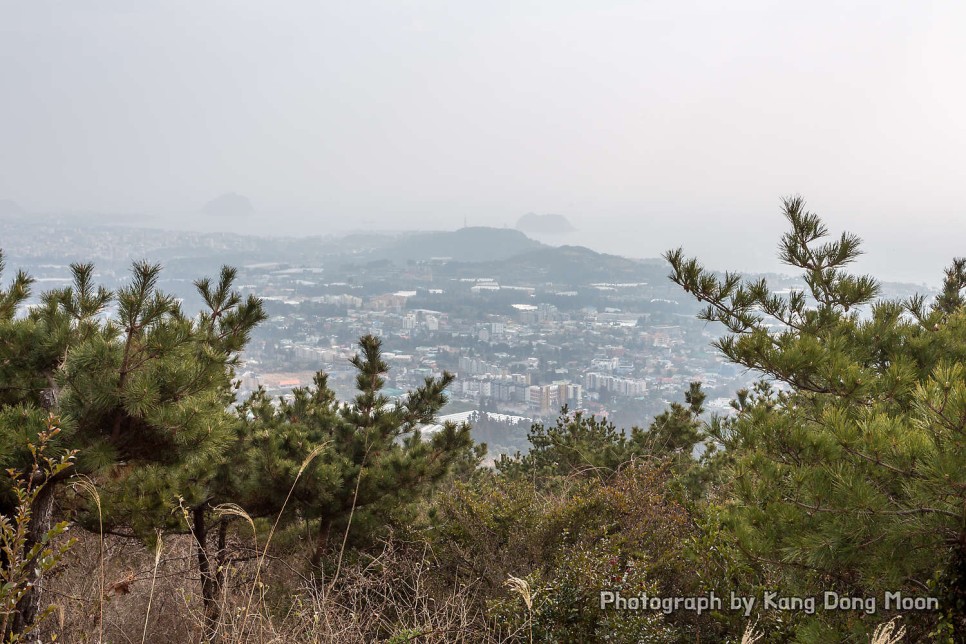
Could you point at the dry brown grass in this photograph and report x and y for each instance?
(113, 589)
(890, 632)
(395, 595)
(153, 597)
(129, 572)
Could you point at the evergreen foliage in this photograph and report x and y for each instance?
(143, 390)
(376, 461)
(583, 446)
(577, 445)
(847, 470)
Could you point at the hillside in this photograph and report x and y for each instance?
(563, 264)
(473, 244)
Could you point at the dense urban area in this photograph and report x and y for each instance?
(525, 328)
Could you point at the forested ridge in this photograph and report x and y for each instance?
(143, 498)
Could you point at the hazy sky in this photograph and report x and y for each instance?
(648, 124)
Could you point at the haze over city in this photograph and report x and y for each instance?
(647, 125)
(482, 322)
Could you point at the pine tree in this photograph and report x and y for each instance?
(848, 468)
(591, 447)
(375, 462)
(143, 394)
(578, 445)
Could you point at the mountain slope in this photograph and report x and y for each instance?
(474, 244)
